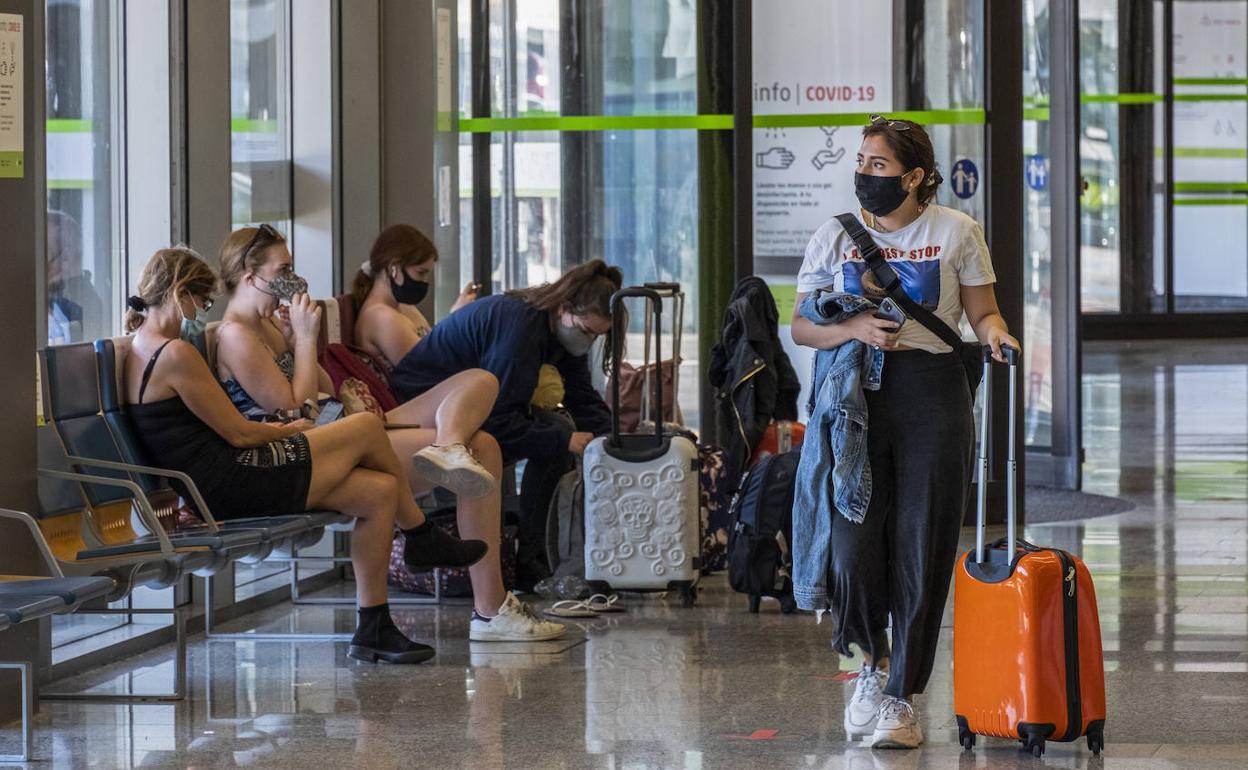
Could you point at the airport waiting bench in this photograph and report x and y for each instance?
(25, 598)
(130, 507)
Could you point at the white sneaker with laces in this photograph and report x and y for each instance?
(898, 726)
(515, 622)
(453, 466)
(864, 705)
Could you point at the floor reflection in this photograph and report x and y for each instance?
(664, 687)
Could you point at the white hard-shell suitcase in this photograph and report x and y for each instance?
(641, 497)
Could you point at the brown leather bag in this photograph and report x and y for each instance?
(632, 379)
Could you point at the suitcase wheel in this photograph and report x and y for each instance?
(1033, 737)
(688, 595)
(1096, 737)
(755, 600)
(965, 736)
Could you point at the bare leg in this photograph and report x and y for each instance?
(358, 440)
(406, 443)
(481, 519)
(455, 407)
(367, 495)
(478, 518)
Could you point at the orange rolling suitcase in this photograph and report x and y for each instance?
(1027, 658)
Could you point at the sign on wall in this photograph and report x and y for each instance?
(12, 98)
(810, 59)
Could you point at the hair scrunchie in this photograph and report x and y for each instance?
(137, 304)
(367, 268)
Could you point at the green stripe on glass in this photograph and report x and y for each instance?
(68, 126)
(1211, 201)
(1211, 97)
(1036, 113)
(1122, 98)
(1210, 187)
(1211, 82)
(1205, 152)
(963, 117)
(252, 126)
(708, 122)
(70, 184)
(596, 123)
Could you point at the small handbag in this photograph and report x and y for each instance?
(970, 353)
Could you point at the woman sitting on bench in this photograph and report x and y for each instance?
(247, 468)
(267, 359)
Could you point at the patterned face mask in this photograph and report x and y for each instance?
(285, 286)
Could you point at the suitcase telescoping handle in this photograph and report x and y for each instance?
(1011, 478)
(665, 289)
(617, 348)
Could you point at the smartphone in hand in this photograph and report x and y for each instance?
(889, 311)
(332, 411)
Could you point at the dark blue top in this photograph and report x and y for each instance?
(511, 340)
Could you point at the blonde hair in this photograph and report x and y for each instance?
(168, 273)
(244, 251)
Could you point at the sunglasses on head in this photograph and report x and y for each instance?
(896, 125)
(270, 234)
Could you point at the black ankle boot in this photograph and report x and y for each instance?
(430, 546)
(378, 638)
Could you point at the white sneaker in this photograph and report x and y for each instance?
(898, 726)
(864, 705)
(453, 466)
(515, 622)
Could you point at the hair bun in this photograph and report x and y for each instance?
(137, 304)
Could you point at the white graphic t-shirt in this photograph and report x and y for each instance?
(933, 255)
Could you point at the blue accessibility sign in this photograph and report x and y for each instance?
(964, 178)
(1037, 173)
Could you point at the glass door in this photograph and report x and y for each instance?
(1210, 258)
(593, 154)
(1165, 161)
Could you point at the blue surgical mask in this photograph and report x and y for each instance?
(193, 328)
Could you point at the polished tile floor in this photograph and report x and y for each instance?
(664, 687)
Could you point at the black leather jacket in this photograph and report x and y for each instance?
(753, 377)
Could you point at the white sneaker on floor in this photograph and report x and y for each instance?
(515, 622)
(864, 705)
(898, 726)
(453, 466)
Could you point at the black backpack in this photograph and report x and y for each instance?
(759, 561)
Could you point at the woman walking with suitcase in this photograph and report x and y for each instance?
(886, 537)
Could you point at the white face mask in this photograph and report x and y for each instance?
(573, 339)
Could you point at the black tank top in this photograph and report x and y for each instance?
(174, 438)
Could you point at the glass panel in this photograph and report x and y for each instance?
(648, 63)
(527, 218)
(1037, 246)
(83, 162)
(1099, 158)
(259, 111)
(535, 78)
(649, 227)
(1211, 156)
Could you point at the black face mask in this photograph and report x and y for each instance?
(881, 195)
(409, 292)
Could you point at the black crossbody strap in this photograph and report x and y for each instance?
(887, 276)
